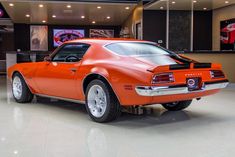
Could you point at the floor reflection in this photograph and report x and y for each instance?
(156, 112)
(50, 127)
(97, 143)
(153, 113)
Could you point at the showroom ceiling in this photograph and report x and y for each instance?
(68, 13)
(187, 4)
(108, 1)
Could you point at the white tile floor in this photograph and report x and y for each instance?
(62, 129)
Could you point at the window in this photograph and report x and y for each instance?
(146, 52)
(130, 49)
(71, 53)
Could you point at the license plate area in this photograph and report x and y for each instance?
(194, 83)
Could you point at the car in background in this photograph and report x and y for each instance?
(109, 74)
(228, 34)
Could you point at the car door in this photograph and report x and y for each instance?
(57, 77)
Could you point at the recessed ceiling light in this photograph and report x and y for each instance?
(127, 8)
(44, 21)
(194, 1)
(161, 8)
(93, 22)
(11, 4)
(68, 6)
(98, 7)
(108, 17)
(173, 2)
(54, 16)
(204, 8)
(226, 2)
(27, 15)
(41, 5)
(83, 17)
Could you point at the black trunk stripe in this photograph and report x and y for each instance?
(187, 66)
(179, 66)
(202, 65)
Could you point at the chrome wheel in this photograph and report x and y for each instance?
(97, 101)
(17, 87)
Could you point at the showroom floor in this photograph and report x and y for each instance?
(51, 128)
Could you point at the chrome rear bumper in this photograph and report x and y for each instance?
(168, 90)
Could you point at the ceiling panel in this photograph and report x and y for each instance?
(117, 12)
(187, 4)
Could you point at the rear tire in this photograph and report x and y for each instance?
(101, 102)
(177, 106)
(20, 90)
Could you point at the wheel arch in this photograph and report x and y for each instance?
(14, 72)
(94, 76)
(17, 71)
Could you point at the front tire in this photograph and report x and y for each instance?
(101, 103)
(20, 90)
(177, 106)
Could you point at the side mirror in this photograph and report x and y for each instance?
(47, 59)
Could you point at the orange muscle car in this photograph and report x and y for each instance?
(108, 74)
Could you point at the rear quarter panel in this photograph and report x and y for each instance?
(122, 73)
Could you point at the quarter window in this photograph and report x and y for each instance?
(71, 53)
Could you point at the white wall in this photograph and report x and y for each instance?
(220, 15)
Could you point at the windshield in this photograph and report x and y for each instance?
(139, 49)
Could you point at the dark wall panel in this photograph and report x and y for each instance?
(22, 34)
(22, 37)
(6, 44)
(202, 30)
(179, 30)
(154, 26)
(154, 29)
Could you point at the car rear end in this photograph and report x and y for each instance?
(179, 82)
(154, 75)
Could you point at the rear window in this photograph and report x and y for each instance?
(130, 49)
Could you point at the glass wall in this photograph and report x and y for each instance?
(188, 24)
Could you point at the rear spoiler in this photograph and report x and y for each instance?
(184, 66)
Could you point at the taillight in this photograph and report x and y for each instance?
(217, 74)
(163, 78)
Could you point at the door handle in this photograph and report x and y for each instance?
(73, 69)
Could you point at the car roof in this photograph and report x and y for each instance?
(104, 41)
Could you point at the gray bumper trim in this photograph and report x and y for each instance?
(166, 90)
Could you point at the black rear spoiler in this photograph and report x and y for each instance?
(184, 66)
(187, 66)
